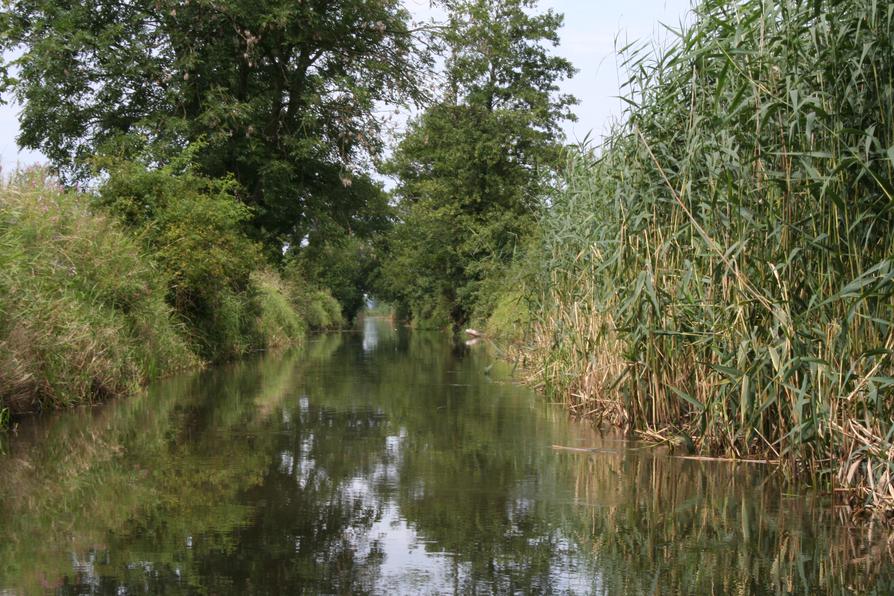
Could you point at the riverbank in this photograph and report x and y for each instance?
(718, 272)
(93, 305)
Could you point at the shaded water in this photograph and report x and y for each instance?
(390, 462)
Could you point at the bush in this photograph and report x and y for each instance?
(510, 317)
(432, 314)
(82, 309)
(193, 227)
(320, 309)
(316, 306)
(343, 266)
(333, 309)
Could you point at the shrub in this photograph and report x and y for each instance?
(192, 225)
(510, 317)
(333, 309)
(316, 306)
(432, 314)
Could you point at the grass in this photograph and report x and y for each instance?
(721, 267)
(316, 306)
(509, 316)
(82, 310)
(278, 322)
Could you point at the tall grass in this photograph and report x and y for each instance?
(315, 305)
(278, 323)
(722, 267)
(82, 310)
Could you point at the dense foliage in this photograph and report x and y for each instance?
(82, 310)
(193, 227)
(99, 294)
(721, 270)
(283, 93)
(222, 135)
(474, 168)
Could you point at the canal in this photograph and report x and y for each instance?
(386, 461)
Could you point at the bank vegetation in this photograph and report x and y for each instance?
(718, 272)
(101, 292)
(224, 148)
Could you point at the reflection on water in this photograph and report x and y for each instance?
(371, 334)
(389, 462)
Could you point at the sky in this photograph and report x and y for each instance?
(588, 40)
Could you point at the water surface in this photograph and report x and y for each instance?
(390, 462)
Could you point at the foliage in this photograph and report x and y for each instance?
(474, 167)
(333, 309)
(722, 267)
(82, 309)
(194, 228)
(379, 309)
(314, 304)
(343, 265)
(509, 316)
(278, 323)
(507, 305)
(284, 93)
(421, 264)
(91, 307)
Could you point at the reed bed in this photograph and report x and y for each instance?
(721, 267)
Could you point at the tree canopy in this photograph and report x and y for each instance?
(284, 94)
(286, 100)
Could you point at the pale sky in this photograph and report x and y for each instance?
(588, 41)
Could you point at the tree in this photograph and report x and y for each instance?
(475, 167)
(283, 93)
(344, 262)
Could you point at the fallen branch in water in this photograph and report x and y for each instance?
(692, 457)
(728, 459)
(587, 449)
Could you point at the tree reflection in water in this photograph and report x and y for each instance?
(388, 462)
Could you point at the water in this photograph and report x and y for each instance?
(389, 462)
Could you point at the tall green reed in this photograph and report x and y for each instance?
(722, 265)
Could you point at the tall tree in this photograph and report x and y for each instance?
(473, 168)
(283, 93)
